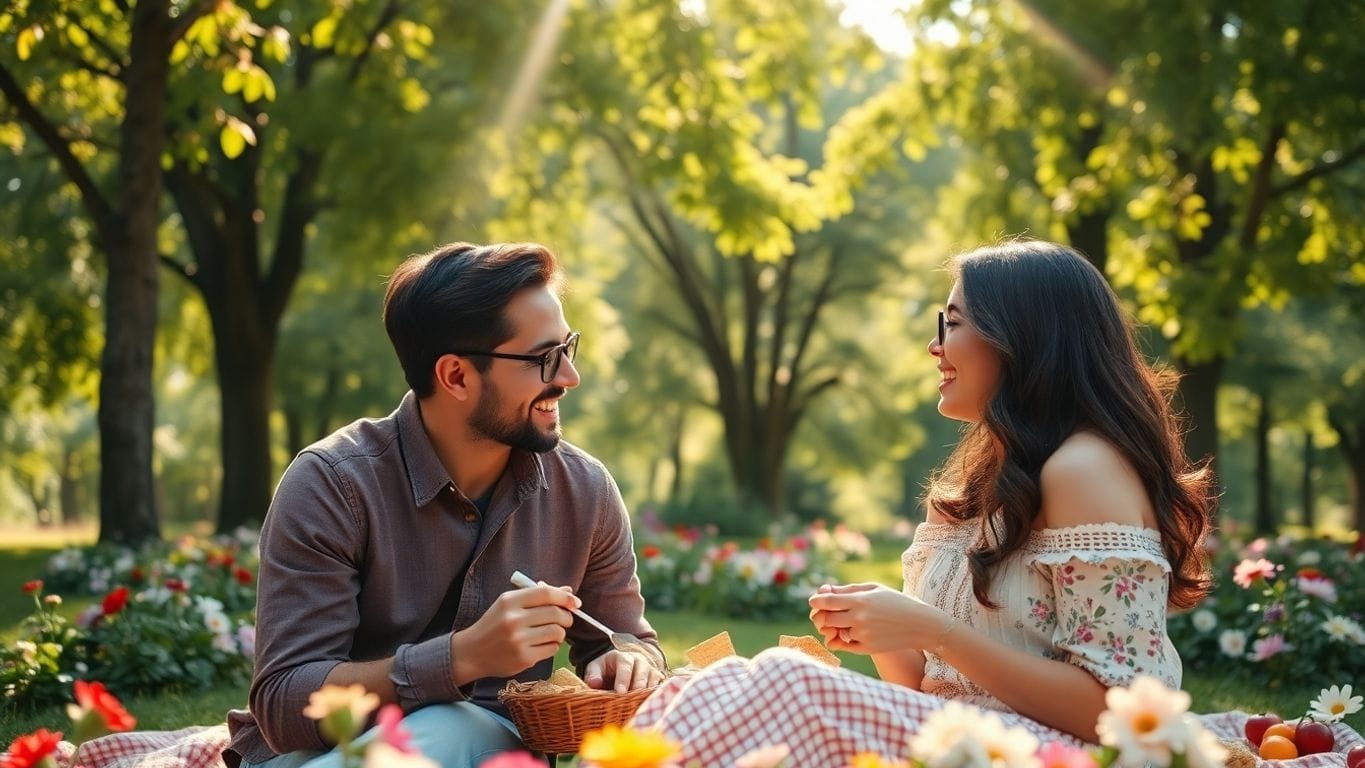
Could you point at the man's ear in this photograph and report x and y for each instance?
(450, 375)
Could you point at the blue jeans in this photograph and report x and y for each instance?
(460, 735)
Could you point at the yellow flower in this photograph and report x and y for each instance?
(612, 746)
(874, 760)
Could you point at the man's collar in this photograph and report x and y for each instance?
(427, 476)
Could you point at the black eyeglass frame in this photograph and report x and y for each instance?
(557, 353)
(942, 326)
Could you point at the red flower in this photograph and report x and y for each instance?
(242, 575)
(32, 586)
(93, 697)
(137, 574)
(30, 749)
(115, 601)
(651, 551)
(176, 585)
(781, 577)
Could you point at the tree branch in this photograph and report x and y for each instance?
(186, 18)
(386, 16)
(1321, 169)
(101, 211)
(118, 60)
(1259, 195)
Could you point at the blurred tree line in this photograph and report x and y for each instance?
(752, 201)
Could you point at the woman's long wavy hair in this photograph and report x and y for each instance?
(1068, 362)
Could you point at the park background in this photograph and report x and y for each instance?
(753, 201)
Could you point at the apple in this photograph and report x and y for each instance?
(1355, 756)
(1256, 725)
(1313, 737)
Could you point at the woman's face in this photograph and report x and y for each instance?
(968, 365)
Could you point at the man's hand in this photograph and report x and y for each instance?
(522, 627)
(627, 671)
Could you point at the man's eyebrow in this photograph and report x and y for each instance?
(546, 346)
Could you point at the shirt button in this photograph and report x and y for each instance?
(470, 517)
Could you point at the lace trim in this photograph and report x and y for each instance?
(929, 534)
(1094, 543)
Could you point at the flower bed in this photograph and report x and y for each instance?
(1281, 610)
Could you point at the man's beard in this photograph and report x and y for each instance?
(520, 433)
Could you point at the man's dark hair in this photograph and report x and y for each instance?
(454, 297)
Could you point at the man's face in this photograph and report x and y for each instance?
(515, 407)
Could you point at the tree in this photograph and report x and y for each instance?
(71, 102)
(1195, 152)
(709, 136)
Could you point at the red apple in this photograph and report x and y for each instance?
(1313, 737)
(1256, 725)
(1355, 756)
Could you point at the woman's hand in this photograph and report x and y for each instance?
(872, 618)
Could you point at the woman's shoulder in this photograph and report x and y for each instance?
(1088, 481)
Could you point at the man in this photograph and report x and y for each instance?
(388, 548)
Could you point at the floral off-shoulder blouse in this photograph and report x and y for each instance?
(1092, 595)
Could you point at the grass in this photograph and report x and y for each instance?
(678, 630)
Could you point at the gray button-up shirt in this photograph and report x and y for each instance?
(370, 551)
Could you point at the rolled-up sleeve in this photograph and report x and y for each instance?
(422, 674)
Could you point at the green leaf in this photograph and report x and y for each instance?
(235, 136)
(324, 32)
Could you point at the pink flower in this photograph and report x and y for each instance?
(517, 759)
(1318, 586)
(1268, 646)
(1059, 755)
(391, 730)
(1250, 571)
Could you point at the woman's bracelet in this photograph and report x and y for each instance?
(943, 636)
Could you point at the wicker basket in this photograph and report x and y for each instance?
(555, 723)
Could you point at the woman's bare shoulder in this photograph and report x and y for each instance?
(1087, 480)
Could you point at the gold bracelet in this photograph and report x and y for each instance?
(943, 636)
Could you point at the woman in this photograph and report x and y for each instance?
(1057, 533)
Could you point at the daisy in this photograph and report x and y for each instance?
(1344, 629)
(1142, 721)
(1334, 703)
(1200, 748)
(1233, 642)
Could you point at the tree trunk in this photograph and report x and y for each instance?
(128, 513)
(68, 494)
(1308, 500)
(1089, 234)
(244, 377)
(1197, 398)
(1351, 439)
(1265, 512)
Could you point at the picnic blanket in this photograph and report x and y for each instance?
(199, 746)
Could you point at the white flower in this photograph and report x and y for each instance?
(770, 756)
(207, 605)
(1142, 720)
(1309, 557)
(1334, 703)
(1344, 629)
(1323, 589)
(1233, 642)
(224, 643)
(27, 649)
(960, 736)
(217, 623)
(1204, 620)
(1200, 748)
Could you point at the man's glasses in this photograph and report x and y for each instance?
(549, 359)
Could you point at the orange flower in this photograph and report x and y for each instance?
(32, 749)
(612, 746)
(94, 698)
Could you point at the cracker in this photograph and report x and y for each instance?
(810, 646)
(566, 678)
(711, 650)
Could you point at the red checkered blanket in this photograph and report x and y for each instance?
(199, 746)
(827, 715)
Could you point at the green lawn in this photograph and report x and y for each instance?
(678, 630)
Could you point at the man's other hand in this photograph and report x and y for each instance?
(623, 671)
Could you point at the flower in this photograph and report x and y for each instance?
(1141, 720)
(32, 749)
(874, 760)
(770, 756)
(96, 711)
(960, 735)
(391, 729)
(115, 601)
(1204, 620)
(1267, 647)
(515, 759)
(1318, 586)
(1334, 703)
(1233, 642)
(1059, 755)
(1250, 571)
(383, 755)
(1200, 748)
(612, 746)
(33, 586)
(340, 710)
(1342, 628)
